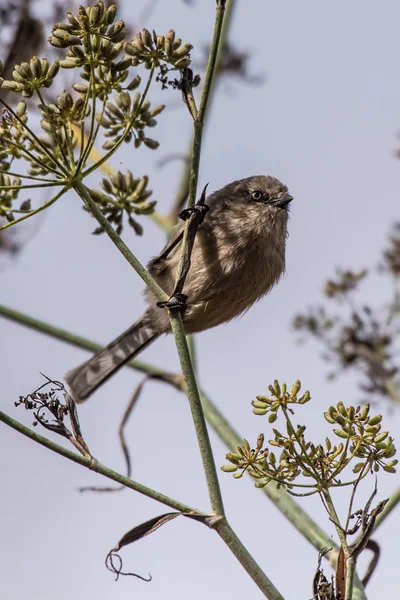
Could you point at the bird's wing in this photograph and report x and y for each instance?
(170, 246)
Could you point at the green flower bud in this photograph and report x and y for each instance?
(259, 411)
(229, 468)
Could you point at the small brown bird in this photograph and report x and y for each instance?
(238, 255)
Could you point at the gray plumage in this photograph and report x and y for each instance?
(238, 256)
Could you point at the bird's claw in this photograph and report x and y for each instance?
(176, 302)
(186, 213)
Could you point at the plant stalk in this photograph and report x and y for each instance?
(95, 466)
(199, 421)
(84, 193)
(247, 561)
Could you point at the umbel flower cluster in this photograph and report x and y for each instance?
(106, 103)
(294, 462)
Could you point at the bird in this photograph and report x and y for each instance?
(237, 257)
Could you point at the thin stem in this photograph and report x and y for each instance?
(358, 588)
(393, 502)
(184, 182)
(27, 176)
(35, 137)
(353, 494)
(84, 193)
(84, 152)
(197, 413)
(94, 155)
(247, 561)
(192, 351)
(70, 338)
(343, 459)
(350, 572)
(108, 155)
(198, 123)
(33, 186)
(95, 466)
(8, 209)
(56, 134)
(178, 331)
(89, 147)
(310, 469)
(212, 59)
(36, 211)
(33, 158)
(330, 507)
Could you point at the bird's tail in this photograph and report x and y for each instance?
(86, 378)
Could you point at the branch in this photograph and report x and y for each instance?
(199, 421)
(72, 339)
(84, 193)
(95, 466)
(183, 187)
(175, 316)
(391, 505)
(246, 560)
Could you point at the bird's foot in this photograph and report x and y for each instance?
(176, 302)
(200, 208)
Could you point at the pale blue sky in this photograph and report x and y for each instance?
(325, 122)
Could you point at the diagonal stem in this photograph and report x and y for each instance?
(199, 421)
(85, 194)
(93, 465)
(36, 210)
(246, 560)
(178, 331)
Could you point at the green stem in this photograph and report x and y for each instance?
(55, 183)
(56, 133)
(198, 122)
(212, 59)
(95, 466)
(247, 561)
(36, 211)
(394, 500)
(309, 467)
(175, 316)
(335, 519)
(84, 193)
(89, 147)
(92, 92)
(350, 572)
(12, 174)
(185, 177)
(107, 156)
(37, 140)
(70, 338)
(358, 589)
(199, 421)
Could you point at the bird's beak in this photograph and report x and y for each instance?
(283, 201)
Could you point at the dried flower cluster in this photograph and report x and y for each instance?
(52, 413)
(359, 336)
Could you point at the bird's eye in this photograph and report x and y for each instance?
(257, 195)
